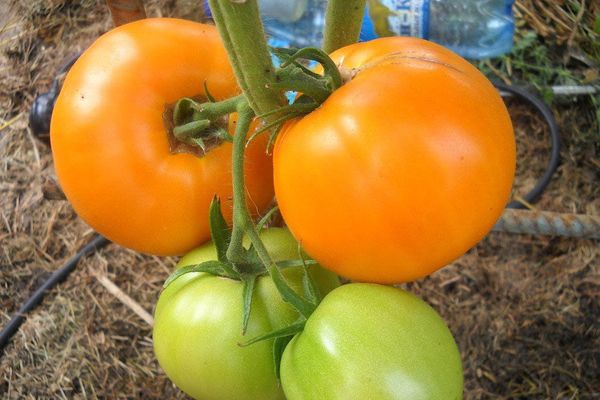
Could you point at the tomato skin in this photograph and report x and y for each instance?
(368, 341)
(198, 323)
(111, 150)
(402, 169)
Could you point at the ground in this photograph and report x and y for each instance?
(524, 309)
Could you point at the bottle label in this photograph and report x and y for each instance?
(206, 9)
(396, 17)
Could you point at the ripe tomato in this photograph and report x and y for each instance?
(402, 169)
(367, 341)
(198, 325)
(110, 146)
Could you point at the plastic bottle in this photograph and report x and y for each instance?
(472, 28)
(291, 23)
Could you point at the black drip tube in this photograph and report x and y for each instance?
(534, 194)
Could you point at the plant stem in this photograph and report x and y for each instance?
(242, 32)
(242, 221)
(294, 78)
(342, 23)
(243, 224)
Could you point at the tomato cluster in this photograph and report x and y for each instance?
(198, 326)
(397, 173)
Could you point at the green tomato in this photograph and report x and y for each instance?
(198, 326)
(367, 341)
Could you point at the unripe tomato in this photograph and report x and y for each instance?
(111, 149)
(401, 170)
(198, 326)
(368, 341)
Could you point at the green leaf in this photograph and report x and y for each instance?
(219, 231)
(279, 345)
(212, 267)
(289, 330)
(263, 221)
(249, 283)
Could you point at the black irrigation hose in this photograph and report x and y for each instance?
(42, 106)
(533, 195)
(57, 276)
(98, 241)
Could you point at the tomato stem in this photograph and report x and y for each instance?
(343, 20)
(295, 79)
(241, 218)
(242, 221)
(242, 32)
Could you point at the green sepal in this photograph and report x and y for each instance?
(331, 71)
(273, 137)
(183, 110)
(222, 134)
(304, 307)
(311, 291)
(190, 132)
(249, 283)
(295, 108)
(277, 123)
(198, 142)
(208, 94)
(250, 262)
(212, 267)
(284, 54)
(219, 230)
(295, 263)
(279, 345)
(263, 221)
(289, 330)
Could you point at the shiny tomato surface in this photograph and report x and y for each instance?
(401, 170)
(111, 148)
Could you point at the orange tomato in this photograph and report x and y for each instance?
(110, 145)
(402, 169)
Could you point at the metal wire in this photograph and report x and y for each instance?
(549, 223)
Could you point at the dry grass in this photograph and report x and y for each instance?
(524, 309)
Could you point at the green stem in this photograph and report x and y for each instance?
(295, 79)
(342, 23)
(242, 32)
(241, 218)
(242, 221)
